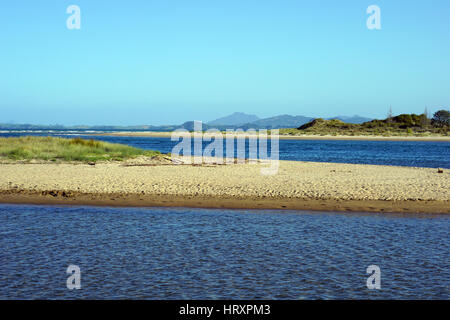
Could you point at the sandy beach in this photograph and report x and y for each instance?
(289, 137)
(297, 185)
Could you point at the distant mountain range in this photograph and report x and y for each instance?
(233, 121)
(240, 119)
(282, 121)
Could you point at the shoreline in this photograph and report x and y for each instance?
(157, 134)
(137, 200)
(312, 186)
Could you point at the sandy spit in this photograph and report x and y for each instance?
(289, 137)
(297, 185)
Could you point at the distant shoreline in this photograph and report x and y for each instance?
(288, 137)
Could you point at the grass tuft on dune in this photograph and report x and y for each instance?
(61, 149)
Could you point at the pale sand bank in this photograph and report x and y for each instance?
(289, 137)
(298, 185)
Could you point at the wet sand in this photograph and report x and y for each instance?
(297, 185)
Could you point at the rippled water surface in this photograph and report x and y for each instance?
(166, 253)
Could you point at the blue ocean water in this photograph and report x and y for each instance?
(176, 253)
(399, 153)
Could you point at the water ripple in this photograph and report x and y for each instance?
(166, 253)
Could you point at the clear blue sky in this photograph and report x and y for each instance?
(166, 61)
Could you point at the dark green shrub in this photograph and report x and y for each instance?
(441, 118)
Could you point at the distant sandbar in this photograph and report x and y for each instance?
(291, 137)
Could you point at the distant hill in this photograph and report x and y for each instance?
(282, 121)
(404, 124)
(234, 119)
(320, 124)
(189, 125)
(352, 119)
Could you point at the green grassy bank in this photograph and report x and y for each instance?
(60, 149)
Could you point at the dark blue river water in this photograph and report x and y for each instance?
(399, 153)
(156, 253)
